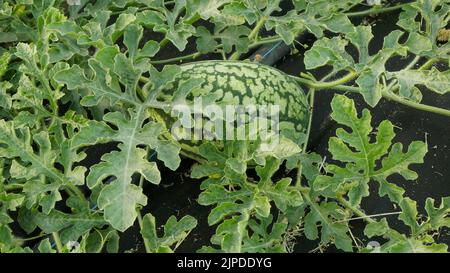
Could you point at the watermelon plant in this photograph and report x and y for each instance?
(91, 91)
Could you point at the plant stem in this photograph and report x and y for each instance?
(428, 64)
(163, 42)
(251, 36)
(59, 246)
(187, 151)
(393, 97)
(77, 191)
(193, 156)
(432, 109)
(350, 76)
(34, 237)
(74, 190)
(387, 95)
(326, 85)
(178, 59)
(146, 243)
(255, 31)
(369, 216)
(375, 10)
(361, 215)
(355, 210)
(360, 218)
(312, 93)
(412, 63)
(13, 187)
(264, 41)
(308, 133)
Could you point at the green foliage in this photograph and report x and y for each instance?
(376, 160)
(243, 204)
(175, 232)
(373, 78)
(77, 78)
(326, 216)
(421, 238)
(361, 156)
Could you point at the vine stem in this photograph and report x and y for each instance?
(369, 216)
(304, 191)
(375, 10)
(355, 210)
(428, 64)
(419, 106)
(339, 86)
(13, 187)
(360, 218)
(308, 133)
(251, 36)
(178, 59)
(34, 237)
(358, 212)
(140, 220)
(267, 40)
(76, 191)
(59, 246)
(255, 31)
(312, 93)
(327, 85)
(71, 189)
(412, 63)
